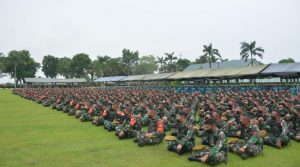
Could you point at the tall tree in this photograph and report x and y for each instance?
(161, 61)
(211, 54)
(171, 58)
(19, 65)
(80, 65)
(100, 66)
(64, 67)
(288, 60)
(147, 65)
(250, 50)
(202, 60)
(115, 67)
(182, 64)
(130, 60)
(50, 66)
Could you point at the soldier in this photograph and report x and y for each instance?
(185, 137)
(155, 131)
(130, 126)
(295, 128)
(216, 140)
(251, 144)
(277, 131)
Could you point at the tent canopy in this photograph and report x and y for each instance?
(282, 69)
(110, 79)
(160, 76)
(134, 78)
(54, 80)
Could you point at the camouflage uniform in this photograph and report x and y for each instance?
(276, 132)
(184, 136)
(156, 128)
(217, 150)
(295, 128)
(130, 127)
(251, 142)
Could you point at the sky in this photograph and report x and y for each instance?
(104, 27)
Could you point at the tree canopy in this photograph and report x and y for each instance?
(50, 66)
(288, 60)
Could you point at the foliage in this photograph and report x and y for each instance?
(64, 67)
(288, 60)
(20, 64)
(50, 66)
(80, 65)
(130, 60)
(250, 50)
(147, 65)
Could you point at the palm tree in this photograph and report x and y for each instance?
(249, 49)
(211, 54)
(170, 57)
(161, 61)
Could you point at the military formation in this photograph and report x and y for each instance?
(225, 121)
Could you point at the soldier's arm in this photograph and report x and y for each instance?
(219, 144)
(254, 137)
(284, 128)
(188, 137)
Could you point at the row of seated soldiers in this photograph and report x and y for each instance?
(251, 119)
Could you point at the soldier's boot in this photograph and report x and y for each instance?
(244, 156)
(194, 158)
(136, 140)
(172, 147)
(268, 141)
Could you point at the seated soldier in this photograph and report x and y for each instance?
(295, 128)
(155, 132)
(114, 118)
(130, 126)
(251, 144)
(216, 140)
(277, 135)
(185, 137)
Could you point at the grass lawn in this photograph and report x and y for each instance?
(31, 135)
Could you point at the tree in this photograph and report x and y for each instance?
(288, 60)
(147, 65)
(2, 62)
(249, 49)
(20, 65)
(161, 61)
(115, 67)
(211, 54)
(182, 64)
(80, 65)
(130, 60)
(64, 67)
(100, 66)
(171, 58)
(202, 60)
(50, 66)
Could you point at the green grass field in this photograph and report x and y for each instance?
(31, 135)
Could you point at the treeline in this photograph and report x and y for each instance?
(20, 64)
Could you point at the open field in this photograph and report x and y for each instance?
(31, 135)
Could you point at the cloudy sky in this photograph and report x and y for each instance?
(105, 27)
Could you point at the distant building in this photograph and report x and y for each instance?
(225, 64)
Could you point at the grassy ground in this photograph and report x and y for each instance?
(31, 135)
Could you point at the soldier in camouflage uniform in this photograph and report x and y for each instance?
(251, 145)
(129, 127)
(277, 131)
(155, 132)
(185, 137)
(216, 140)
(294, 131)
